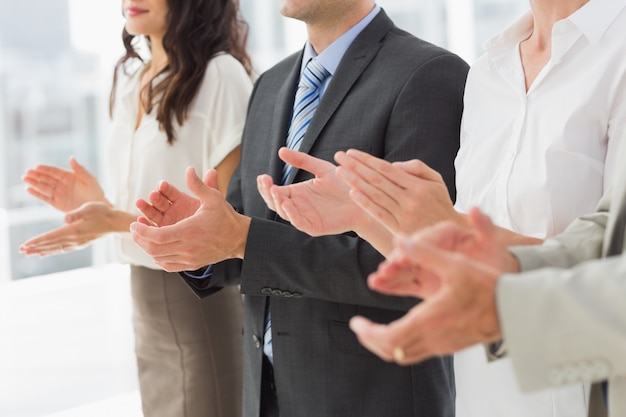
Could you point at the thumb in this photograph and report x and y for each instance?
(210, 178)
(304, 161)
(482, 224)
(438, 263)
(375, 337)
(78, 169)
(196, 186)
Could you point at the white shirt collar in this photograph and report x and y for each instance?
(591, 20)
(332, 55)
(595, 17)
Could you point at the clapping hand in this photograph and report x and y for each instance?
(168, 205)
(319, 206)
(63, 189)
(404, 196)
(454, 270)
(200, 231)
(83, 225)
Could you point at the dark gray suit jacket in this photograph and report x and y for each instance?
(396, 97)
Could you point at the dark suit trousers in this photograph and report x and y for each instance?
(269, 401)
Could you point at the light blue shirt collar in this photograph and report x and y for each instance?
(332, 55)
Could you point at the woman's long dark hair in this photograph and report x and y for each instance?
(197, 30)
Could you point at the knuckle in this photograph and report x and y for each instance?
(387, 168)
(416, 164)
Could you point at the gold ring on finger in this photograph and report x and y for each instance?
(398, 354)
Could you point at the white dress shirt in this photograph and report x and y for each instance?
(536, 160)
(138, 159)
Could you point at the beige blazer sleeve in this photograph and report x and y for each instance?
(583, 240)
(567, 326)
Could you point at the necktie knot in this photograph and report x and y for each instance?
(313, 75)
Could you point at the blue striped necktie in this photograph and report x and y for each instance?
(307, 99)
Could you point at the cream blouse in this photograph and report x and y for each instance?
(139, 158)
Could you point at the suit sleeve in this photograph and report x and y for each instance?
(565, 326)
(228, 272)
(424, 123)
(583, 240)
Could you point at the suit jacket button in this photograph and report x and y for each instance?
(257, 341)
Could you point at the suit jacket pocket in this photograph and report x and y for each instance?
(343, 339)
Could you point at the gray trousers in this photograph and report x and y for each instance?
(188, 350)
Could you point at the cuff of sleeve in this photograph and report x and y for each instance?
(496, 350)
(205, 272)
(200, 279)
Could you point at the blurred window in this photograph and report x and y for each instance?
(66, 339)
(55, 72)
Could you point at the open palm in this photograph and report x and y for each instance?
(63, 189)
(319, 206)
(82, 226)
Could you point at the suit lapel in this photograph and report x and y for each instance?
(356, 59)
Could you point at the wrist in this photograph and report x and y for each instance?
(241, 233)
(376, 234)
(120, 221)
(513, 265)
(363, 224)
(462, 219)
(492, 332)
(98, 195)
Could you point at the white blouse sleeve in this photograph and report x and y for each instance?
(224, 96)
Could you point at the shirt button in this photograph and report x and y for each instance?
(257, 341)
